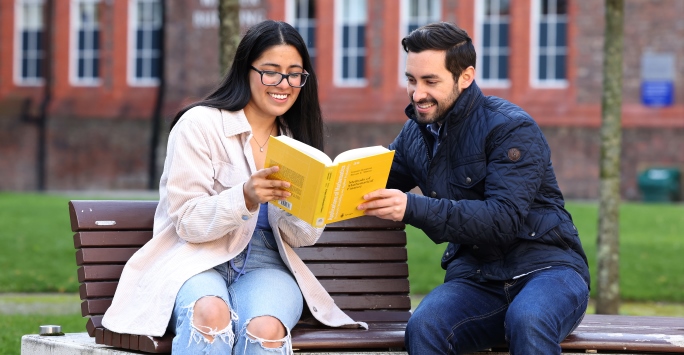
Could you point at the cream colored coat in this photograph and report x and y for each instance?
(202, 221)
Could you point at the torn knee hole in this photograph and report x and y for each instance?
(269, 343)
(215, 328)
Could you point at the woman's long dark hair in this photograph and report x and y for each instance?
(304, 118)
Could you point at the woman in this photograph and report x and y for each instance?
(220, 271)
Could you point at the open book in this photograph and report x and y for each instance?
(323, 190)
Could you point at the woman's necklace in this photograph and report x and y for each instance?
(261, 146)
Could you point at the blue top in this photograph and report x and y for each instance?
(262, 221)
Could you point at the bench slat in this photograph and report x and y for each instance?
(630, 333)
(93, 323)
(97, 289)
(359, 269)
(139, 215)
(381, 237)
(366, 286)
(378, 335)
(379, 316)
(121, 255)
(372, 302)
(110, 239)
(365, 223)
(352, 254)
(99, 272)
(104, 255)
(155, 345)
(95, 306)
(112, 215)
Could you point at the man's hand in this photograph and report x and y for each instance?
(385, 204)
(258, 189)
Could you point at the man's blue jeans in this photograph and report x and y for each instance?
(533, 314)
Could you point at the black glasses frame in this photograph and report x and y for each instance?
(304, 76)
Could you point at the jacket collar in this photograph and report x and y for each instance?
(235, 122)
(463, 107)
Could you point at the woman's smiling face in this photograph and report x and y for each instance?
(272, 101)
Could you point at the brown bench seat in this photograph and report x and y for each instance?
(361, 262)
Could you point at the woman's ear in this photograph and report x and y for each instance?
(466, 78)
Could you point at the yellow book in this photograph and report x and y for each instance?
(323, 190)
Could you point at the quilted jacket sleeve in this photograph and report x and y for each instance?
(509, 190)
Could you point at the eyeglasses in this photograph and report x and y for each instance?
(273, 78)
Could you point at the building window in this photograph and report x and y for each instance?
(145, 19)
(302, 16)
(550, 42)
(29, 42)
(492, 18)
(414, 14)
(350, 48)
(85, 67)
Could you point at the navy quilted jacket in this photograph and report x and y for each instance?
(489, 191)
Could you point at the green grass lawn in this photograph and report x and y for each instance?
(38, 247)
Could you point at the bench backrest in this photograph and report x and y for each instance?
(361, 262)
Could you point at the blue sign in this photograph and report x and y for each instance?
(657, 93)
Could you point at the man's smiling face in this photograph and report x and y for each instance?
(430, 85)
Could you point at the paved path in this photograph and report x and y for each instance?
(40, 303)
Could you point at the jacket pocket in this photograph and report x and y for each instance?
(467, 179)
(228, 175)
(545, 228)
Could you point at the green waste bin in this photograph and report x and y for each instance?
(660, 184)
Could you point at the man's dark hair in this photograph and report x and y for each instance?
(304, 118)
(443, 36)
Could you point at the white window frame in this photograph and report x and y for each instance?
(534, 51)
(90, 53)
(434, 14)
(290, 17)
(132, 51)
(338, 80)
(18, 28)
(479, 47)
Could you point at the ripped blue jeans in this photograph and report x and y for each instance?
(264, 288)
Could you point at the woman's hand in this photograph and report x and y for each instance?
(259, 189)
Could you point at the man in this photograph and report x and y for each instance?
(516, 273)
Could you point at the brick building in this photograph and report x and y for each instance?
(79, 109)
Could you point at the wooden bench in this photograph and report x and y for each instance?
(362, 264)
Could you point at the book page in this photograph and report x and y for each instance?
(307, 149)
(357, 153)
(356, 178)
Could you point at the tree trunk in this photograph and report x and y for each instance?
(229, 32)
(47, 67)
(611, 138)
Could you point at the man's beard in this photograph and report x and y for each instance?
(442, 110)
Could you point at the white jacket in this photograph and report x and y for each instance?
(202, 221)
